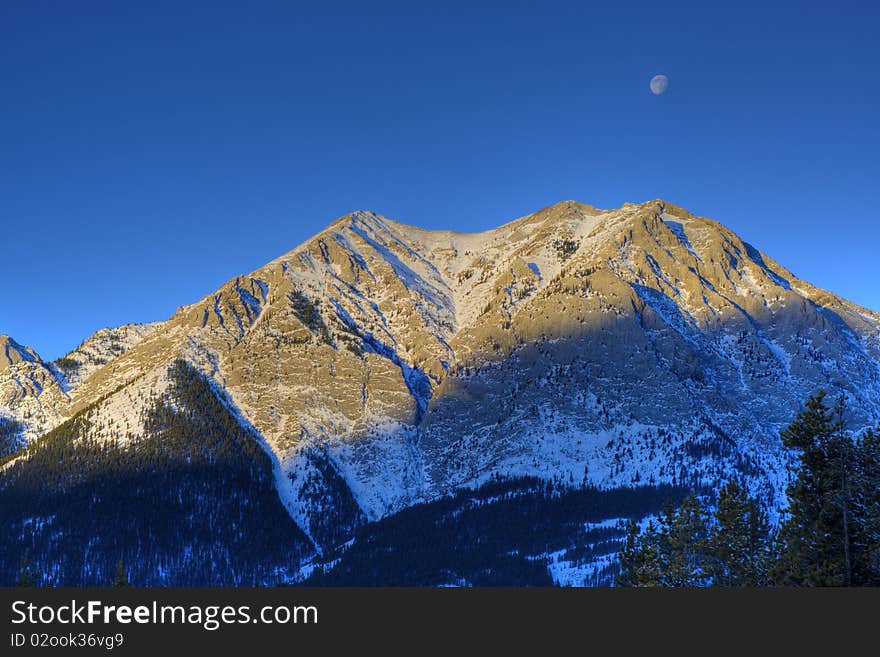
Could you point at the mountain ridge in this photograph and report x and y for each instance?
(395, 364)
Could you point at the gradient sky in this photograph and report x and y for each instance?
(151, 151)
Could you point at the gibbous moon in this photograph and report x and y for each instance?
(659, 83)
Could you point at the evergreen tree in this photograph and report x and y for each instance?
(739, 541)
(673, 553)
(639, 559)
(866, 511)
(830, 535)
(682, 544)
(630, 555)
(25, 573)
(815, 538)
(120, 579)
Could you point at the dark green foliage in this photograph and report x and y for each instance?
(672, 552)
(352, 343)
(325, 491)
(829, 535)
(120, 579)
(497, 535)
(25, 574)
(565, 247)
(192, 503)
(639, 557)
(67, 365)
(866, 511)
(683, 543)
(309, 314)
(740, 540)
(813, 539)
(10, 432)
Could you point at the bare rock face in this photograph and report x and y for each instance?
(391, 364)
(12, 353)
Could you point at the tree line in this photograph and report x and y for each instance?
(828, 535)
(503, 533)
(191, 502)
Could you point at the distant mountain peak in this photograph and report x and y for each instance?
(12, 353)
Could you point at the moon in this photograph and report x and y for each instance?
(659, 84)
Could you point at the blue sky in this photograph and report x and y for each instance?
(151, 151)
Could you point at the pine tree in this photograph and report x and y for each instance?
(815, 538)
(629, 556)
(120, 579)
(830, 535)
(739, 541)
(672, 553)
(25, 573)
(639, 559)
(866, 511)
(682, 544)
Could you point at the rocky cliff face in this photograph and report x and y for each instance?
(388, 365)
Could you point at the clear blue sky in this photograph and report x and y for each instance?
(151, 151)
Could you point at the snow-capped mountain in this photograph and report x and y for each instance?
(380, 365)
(32, 399)
(34, 394)
(95, 352)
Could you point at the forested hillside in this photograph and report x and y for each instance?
(192, 503)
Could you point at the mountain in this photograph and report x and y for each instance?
(34, 394)
(391, 375)
(99, 349)
(32, 399)
(12, 353)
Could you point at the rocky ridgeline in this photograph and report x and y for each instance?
(389, 365)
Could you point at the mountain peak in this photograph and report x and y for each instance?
(382, 365)
(560, 211)
(12, 353)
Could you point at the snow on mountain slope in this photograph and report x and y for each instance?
(37, 394)
(658, 354)
(384, 364)
(30, 394)
(102, 347)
